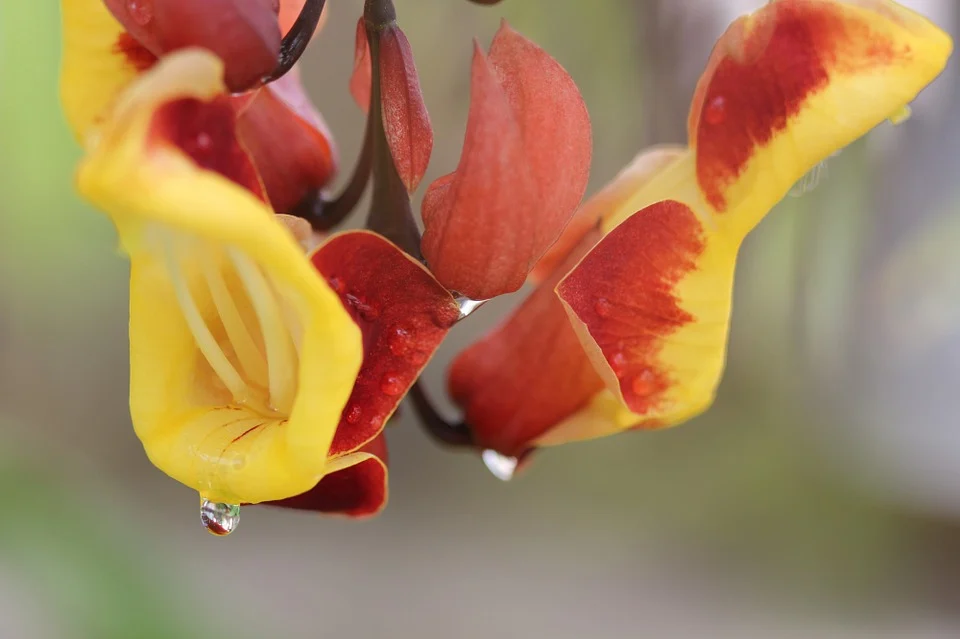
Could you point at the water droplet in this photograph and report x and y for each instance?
(716, 111)
(219, 519)
(468, 305)
(618, 363)
(399, 342)
(336, 284)
(603, 307)
(140, 11)
(418, 358)
(901, 115)
(500, 466)
(204, 142)
(644, 383)
(391, 384)
(354, 413)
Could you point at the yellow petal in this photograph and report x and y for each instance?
(241, 356)
(99, 60)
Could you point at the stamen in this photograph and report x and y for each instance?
(201, 332)
(248, 353)
(281, 356)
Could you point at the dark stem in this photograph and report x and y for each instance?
(390, 212)
(433, 422)
(323, 214)
(295, 42)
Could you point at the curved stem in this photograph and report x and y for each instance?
(433, 422)
(295, 42)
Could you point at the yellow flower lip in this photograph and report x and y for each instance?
(242, 358)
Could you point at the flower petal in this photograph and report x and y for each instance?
(523, 170)
(403, 314)
(245, 34)
(241, 357)
(651, 304)
(405, 118)
(796, 81)
(355, 487)
(287, 139)
(528, 375)
(362, 75)
(99, 59)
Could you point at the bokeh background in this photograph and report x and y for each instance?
(820, 497)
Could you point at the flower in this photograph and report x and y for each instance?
(108, 44)
(628, 325)
(252, 378)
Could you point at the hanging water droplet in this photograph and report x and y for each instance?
(500, 466)
(901, 115)
(391, 384)
(219, 519)
(716, 111)
(140, 11)
(810, 180)
(468, 305)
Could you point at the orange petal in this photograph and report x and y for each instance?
(403, 314)
(357, 489)
(530, 374)
(523, 170)
(362, 71)
(651, 304)
(288, 140)
(245, 35)
(796, 81)
(405, 118)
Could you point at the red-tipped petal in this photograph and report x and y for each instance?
(362, 71)
(358, 489)
(206, 132)
(288, 140)
(527, 376)
(651, 303)
(403, 314)
(523, 170)
(244, 34)
(405, 118)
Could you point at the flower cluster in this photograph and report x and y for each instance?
(266, 355)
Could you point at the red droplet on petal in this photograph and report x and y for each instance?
(603, 307)
(353, 414)
(618, 363)
(644, 383)
(391, 384)
(140, 11)
(418, 358)
(716, 111)
(399, 342)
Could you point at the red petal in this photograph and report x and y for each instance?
(359, 490)
(403, 314)
(245, 35)
(362, 76)
(287, 139)
(529, 374)
(206, 132)
(405, 117)
(523, 170)
(625, 293)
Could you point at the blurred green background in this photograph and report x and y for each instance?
(820, 497)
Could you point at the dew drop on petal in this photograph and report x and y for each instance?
(399, 342)
(391, 384)
(353, 414)
(644, 383)
(363, 309)
(418, 358)
(716, 111)
(603, 307)
(500, 466)
(467, 305)
(140, 11)
(219, 519)
(618, 363)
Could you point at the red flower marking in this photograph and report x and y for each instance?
(623, 291)
(529, 374)
(357, 491)
(206, 132)
(760, 74)
(137, 55)
(403, 314)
